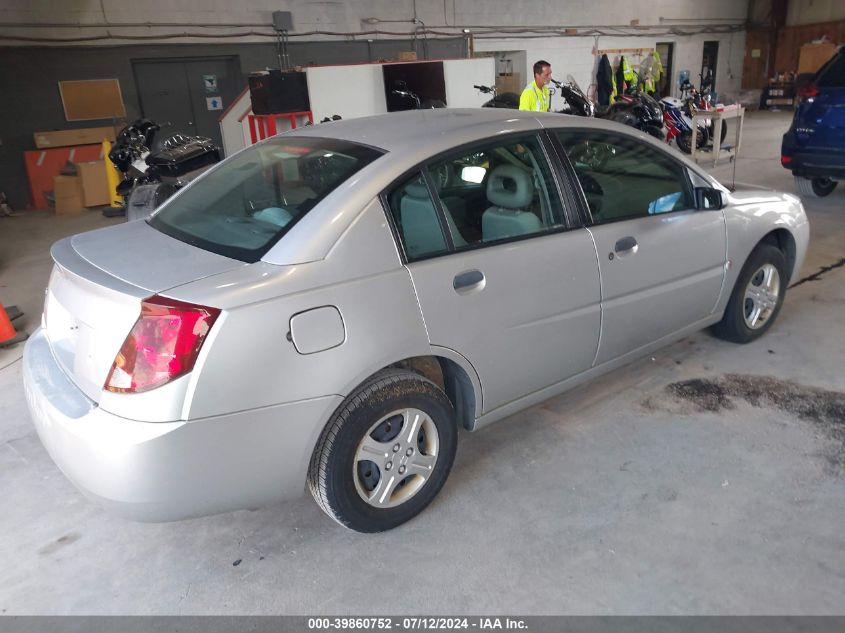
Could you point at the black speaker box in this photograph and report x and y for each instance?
(273, 92)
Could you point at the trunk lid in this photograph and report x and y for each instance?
(96, 288)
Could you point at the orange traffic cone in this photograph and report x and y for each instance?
(8, 336)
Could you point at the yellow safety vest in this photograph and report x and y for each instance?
(534, 98)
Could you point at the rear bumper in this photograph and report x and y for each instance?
(812, 162)
(165, 471)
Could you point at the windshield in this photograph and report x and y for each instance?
(243, 207)
(571, 79)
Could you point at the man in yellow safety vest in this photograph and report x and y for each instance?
(536, 96)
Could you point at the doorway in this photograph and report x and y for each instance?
(188, 95)
(666, 50)
(708, 65)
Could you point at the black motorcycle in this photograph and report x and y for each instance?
(402, 98)
(509, 100)
(646, 111)
(154, 170)
(637, 110)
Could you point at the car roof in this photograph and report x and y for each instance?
(418, 128)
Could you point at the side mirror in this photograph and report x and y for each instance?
(709, 198)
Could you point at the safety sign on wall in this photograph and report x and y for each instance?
(210, 83)
(214, 103)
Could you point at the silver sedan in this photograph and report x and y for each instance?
(325, 308)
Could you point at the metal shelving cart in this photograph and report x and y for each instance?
(719, 150)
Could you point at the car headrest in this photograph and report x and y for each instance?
(417, 190)
(510, 187)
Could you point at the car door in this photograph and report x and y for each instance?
(662, 261)
(500, 277)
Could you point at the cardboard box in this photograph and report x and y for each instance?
(813, 56)
(93, 182)
(68, 194)
(407, 56)
(509, 83)
(66, 138)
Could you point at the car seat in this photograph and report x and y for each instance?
(510, 191)
(420, 226)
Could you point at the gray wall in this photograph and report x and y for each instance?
(29, 79)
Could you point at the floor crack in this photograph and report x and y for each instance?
(819, 273)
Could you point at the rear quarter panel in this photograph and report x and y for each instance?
(249, 363)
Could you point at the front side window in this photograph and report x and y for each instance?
(249, 202)
(623, 178)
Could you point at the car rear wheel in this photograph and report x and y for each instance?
(385, 454)
(757, 296)
(814, 187)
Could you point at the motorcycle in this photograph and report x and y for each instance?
(402, 98)
(636, 110)
(153, 171)
(679, 125)
(702, 100)
(646, 111)
(508, 100)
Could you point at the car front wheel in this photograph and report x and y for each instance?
(814, 187)
(386, 452)
(757, 296)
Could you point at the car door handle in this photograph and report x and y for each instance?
(468, 281)
(626, 246)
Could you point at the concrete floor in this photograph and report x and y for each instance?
(621, 498)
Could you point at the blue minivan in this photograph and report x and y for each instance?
(814, 147)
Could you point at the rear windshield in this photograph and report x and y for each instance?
(832, 74)
(248, 203)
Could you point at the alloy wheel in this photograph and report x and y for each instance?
(761, 296)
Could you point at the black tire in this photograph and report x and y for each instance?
(814, 187)
(734, 325)
(684, 140)
(339, 481)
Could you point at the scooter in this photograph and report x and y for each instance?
(152, 171)
(508, 100)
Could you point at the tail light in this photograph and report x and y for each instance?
(808, 91)
(785, 160)
(164, 344)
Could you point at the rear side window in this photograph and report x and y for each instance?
(416, 218)
(247, 204)
(485, 195)
(832, 74)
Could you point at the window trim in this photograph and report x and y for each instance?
(564, 195)
(582, 198)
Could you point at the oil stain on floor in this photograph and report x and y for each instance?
(825, 409)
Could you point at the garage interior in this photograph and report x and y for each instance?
(706, 478)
